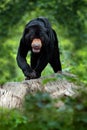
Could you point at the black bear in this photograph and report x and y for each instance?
(41, 40)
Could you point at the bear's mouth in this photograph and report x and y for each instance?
(36, 49)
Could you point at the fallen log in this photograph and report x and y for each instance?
(12, 93)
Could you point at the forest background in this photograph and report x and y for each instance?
(68, 18)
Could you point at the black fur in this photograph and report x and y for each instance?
(38, 28)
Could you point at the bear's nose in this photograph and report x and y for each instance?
(36, 44)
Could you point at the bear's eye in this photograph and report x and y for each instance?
(31, 38)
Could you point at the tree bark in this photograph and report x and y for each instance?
(12, 93)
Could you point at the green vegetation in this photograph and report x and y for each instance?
(68, 18)
(39, 113)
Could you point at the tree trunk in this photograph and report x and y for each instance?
(12, 93)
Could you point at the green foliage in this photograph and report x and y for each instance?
(39, 113)
(6, 63)
(43, 115)
(11, 119)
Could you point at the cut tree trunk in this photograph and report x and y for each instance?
(12, 93)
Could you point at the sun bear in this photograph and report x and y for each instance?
(39, 38)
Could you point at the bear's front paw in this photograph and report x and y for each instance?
(31, 75)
